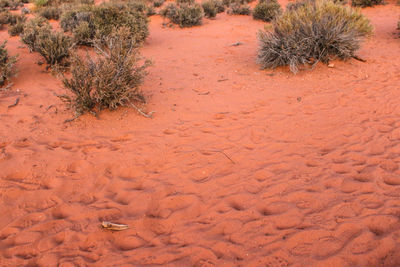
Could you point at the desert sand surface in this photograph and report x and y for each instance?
(238, 166)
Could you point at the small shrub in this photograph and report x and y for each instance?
(71, 18)
(6, 65)
(17, 23)
(227, 3)
(239, 9)
(267, 10)
(54, 47)
(366, 3)
(32, 28)
(11, 4)
(5, 16)
(50, 12)
(112, 80)
(41, 3)
(210, 8)
(83, 34)
(187, 2)
(25, 10)
(183, 15)
(313, 32)
(158, 3)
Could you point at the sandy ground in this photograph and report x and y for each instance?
(238, 167)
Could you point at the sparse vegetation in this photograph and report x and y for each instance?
(112, 80)
(50, 12)
(17, 23)
(366, 3)
(266, 10)
(239, 9)
(158, 3)
(184, 15)
(99, 21)
(312, 33)
(212, 8)
(32, 29)
(55, 47)
(6, 65)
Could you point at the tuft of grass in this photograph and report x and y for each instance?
(111, 80)
(7, 63)
(267, 10)
(184, 15)
(314, 32)
(366, 3)
(239, 9)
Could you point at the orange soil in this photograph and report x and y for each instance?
(313, 179)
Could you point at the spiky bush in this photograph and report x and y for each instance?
(101, 20)
(158, 3)
(212, 8)
(239, 9)
(17, 23)
(6, 64)
(266, 10)
(366, 3)
(313, 32)
(55, 47)
(112, 80)
(32, 28)
(50, 12)
(184, 15)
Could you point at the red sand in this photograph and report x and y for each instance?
(238, 167)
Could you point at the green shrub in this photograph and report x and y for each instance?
(6, 65)
(50, 12)
(55, 47)
(312, 33)
(366, 3)
(32, 28)
(158, 3)
(239, 9)
(266, 10)
(184, 15)
(112, 80)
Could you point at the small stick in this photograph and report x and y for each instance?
(15, 103)
(52, 106)
(72, 119)
(222, 152)
(222, 80)
(150, 115)
(359, 59)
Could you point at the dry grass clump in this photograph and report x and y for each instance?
(6, 65)
(366, 3)
(17, 23)
(212, 8)
(109, 81)
(239, 9)
(88, 23)
(55, 47)
(267, 10)
(185, 15)
(314, 32)
(31, 31)
(50, 12)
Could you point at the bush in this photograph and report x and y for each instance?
(184, 15)
(17, 23)
(267, 10)
(188, 2)
(212, 8)
(102, 19)
(6, 65)
(317, 32)
(31, 30)
(227, 3)
(366, 3)
(55, 47)
(158, 3)
(50, 12)
(112, 80)
(239, 9)
(11, 4)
